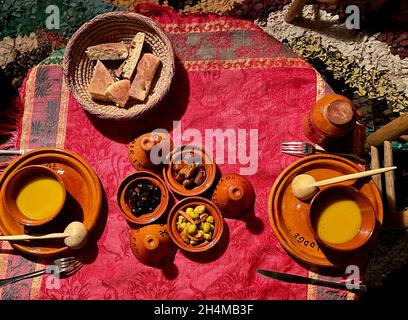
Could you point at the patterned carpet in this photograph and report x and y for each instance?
(370, 65)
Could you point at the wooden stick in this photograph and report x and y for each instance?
(27, 237)
(389, 179)
(404, 218)
(397, 220)
(375, 164)
(352, 176)
(390, 131)
(394, 219)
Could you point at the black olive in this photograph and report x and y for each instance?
(143, 197)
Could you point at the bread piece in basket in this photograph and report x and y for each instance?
(135, 51)
(100, 81)
(118, 92)
(146, 69)
(108, 51)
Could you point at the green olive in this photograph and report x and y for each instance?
(183, 225)
(194, 215)
(189, 211)
(206, 227)
(212, 227)
(192, 228)
(199, 209)
(210, 219)
(193, 242)
(207, 236)
(181, 219)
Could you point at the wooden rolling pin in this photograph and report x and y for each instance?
(390, 131)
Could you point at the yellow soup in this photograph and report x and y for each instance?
(339, 220)
(40, 197)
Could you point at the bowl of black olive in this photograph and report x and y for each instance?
(142, 197)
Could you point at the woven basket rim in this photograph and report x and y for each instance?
(121, 114)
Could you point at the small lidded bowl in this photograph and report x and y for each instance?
(142, 197)
(34, 195)
(342, 218)
(189, 171)
(148, 151)
(195, 224)
(234, 195)
(152, 245)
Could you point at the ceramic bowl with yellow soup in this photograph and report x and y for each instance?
(33, 195)
(342, 218)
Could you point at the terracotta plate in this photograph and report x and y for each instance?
(288, 215)
(83, 203)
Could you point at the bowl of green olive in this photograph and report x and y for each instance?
(195, 224)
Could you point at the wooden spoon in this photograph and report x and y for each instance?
(75, 235)
(304, 186)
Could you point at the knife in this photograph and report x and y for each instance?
(291, 278)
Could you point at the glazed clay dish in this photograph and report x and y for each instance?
(210, 208)
(132, 181)
(140, 149)
(152, 245)
(83, 199)
(357, 221)
(234, 195)
(202, 167)
(40, 182)
(289, 216)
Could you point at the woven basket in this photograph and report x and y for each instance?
(116, 27)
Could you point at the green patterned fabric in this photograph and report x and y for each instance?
(21, 17)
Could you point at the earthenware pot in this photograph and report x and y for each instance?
(13, 185)
(181, 153)
(326, 197)
(148, 151)
(234, 195)
(331, 117)
(152, 245)
(124, 206)
(210, 208)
